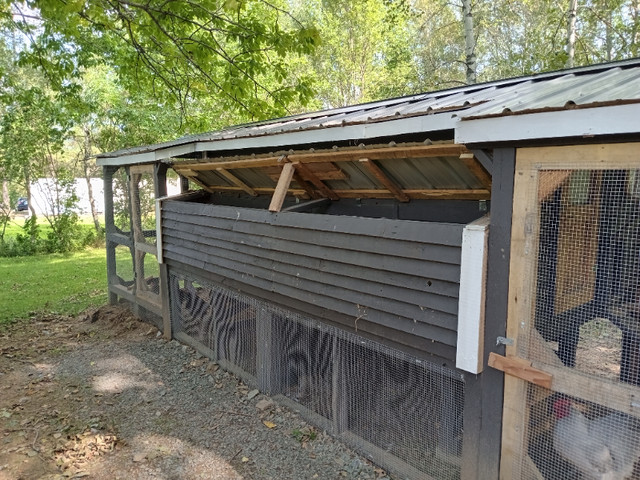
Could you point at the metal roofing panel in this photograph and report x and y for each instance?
(595, 85)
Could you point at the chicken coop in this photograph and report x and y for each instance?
(447, 282)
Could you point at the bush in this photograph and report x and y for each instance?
(24, 244)
(66, 235)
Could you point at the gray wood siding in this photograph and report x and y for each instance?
(398, 274)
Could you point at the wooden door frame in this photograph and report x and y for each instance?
(522, 290)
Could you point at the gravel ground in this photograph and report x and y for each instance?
(104, 396)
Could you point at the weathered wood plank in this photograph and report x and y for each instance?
(419, 347)
(372, 284)
(326, 296)
(352, 244)
(395, 270)
(352, 302)
(403, 230)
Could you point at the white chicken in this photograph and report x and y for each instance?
(604, 448)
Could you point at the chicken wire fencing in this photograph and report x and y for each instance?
(587, 326)
(402, 412)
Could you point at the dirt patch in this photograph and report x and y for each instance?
(104, 396)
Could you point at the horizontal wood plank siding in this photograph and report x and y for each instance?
(398, 274)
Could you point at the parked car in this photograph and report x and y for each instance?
(22, 205)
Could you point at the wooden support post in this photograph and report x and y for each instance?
(136, 230)
(310, 176)
(389, 184)
(160, 179)
(266, 364)
(184, 183)
(110, 228)
(236, 181)
(160, 190)
(132, 245)
(484, 392)
(339, 404)
(281, 189)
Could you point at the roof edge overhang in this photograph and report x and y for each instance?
(580, 122)
(423, 124)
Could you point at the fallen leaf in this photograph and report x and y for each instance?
(269, 424)
(245, 459)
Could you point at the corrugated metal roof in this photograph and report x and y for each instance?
(614, 83)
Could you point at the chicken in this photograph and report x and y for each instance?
(604, 448)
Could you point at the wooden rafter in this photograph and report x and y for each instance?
(389, 184)
(476, 168)
(319, 184)
(236, 181)
(414, 194)
(282, 187)
(193, 176)
(305, 185)
(422, 151)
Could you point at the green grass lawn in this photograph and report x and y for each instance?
(65, 284)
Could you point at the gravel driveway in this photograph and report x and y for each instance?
(104, 396)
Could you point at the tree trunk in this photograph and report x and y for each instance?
(571, 32)
(6, 201)
(87, 175)
(27, 186)
(469, 42)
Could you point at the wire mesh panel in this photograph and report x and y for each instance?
(378, 399)
(218, 319)
(586, 327)
(303, 354)
(405, 406)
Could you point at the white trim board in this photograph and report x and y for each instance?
(471, 300)
(419, 124)
(580, 122)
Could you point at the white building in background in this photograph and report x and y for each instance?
(44, 190)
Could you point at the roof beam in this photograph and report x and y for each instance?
(476, 169)
(236, 181)
(309, 175)
(414, 194)
(193, 176)
(389, 184)
(485, 158)
(421, 151)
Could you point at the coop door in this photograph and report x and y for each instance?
(574, 315)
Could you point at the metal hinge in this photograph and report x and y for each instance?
(509, 342)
